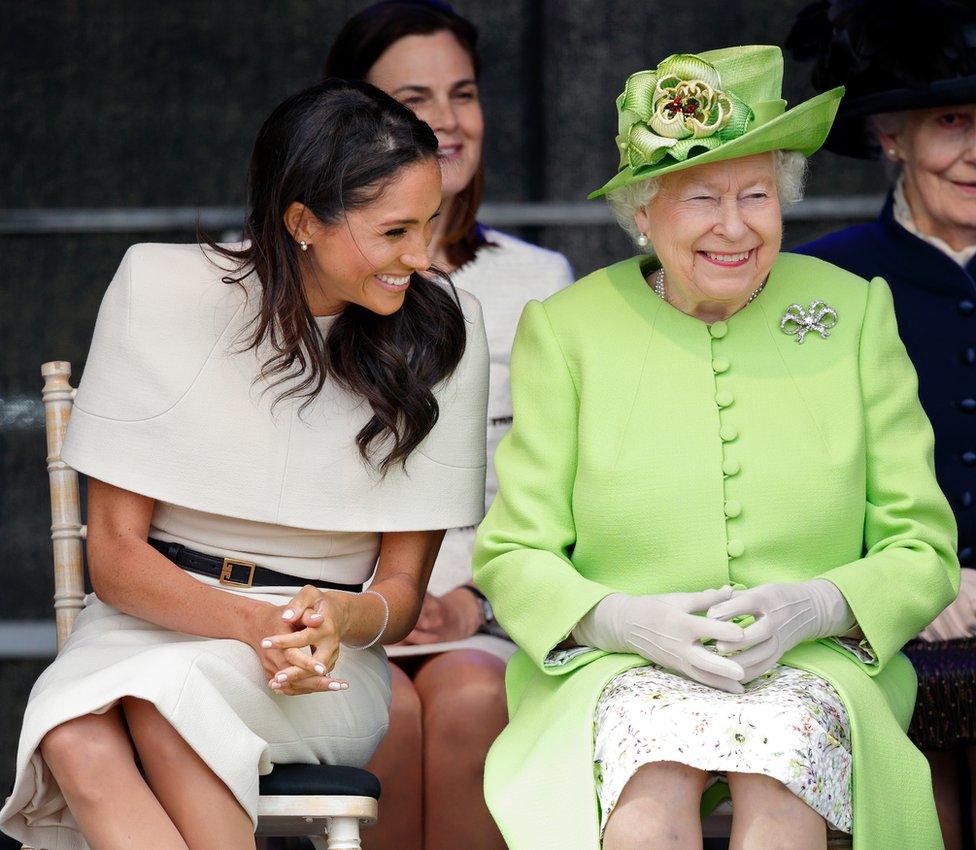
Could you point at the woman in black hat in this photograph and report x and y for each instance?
(910, 73)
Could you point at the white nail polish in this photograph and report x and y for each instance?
(266, 644)
(345, 685)
(320, 669)
(335, 686)
(288, 614)
(282, 677)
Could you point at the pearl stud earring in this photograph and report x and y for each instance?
(642, 241)
(304, 245)
(893, 153)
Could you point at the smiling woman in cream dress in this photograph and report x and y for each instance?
(310, 402)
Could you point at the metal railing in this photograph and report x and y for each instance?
(548, 214)
(28, 639)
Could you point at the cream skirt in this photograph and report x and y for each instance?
(214, 692)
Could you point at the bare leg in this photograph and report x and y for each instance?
(658, 808)
(463, 698)
(91, 757)
(398, 762)
(204, 810)
(766, 815)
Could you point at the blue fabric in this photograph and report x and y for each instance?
(935, 302)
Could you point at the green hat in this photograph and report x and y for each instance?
(707, 107)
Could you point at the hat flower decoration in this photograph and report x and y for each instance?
(706, 107)
(675, 108)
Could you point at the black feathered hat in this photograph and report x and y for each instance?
(891, 55)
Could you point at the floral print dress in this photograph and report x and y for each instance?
(789, 725)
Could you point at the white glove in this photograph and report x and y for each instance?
(959, 619)
(663, 628)
(786, 615)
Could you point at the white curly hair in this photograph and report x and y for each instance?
(790, 168)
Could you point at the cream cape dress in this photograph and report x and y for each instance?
(169, 407)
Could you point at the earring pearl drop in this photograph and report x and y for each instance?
(304, 245)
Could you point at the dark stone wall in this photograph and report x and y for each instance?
(108, 103)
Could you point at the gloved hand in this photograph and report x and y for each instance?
(786, 615)
(959, 619)
(663, 628)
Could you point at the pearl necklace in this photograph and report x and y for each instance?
(658, 287)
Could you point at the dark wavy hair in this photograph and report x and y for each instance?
(334, 148)
(365, 37)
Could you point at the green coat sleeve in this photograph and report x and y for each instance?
(909, 571)
(522, 550)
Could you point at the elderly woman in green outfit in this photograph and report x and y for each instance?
(717, 520)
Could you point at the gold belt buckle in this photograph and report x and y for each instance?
(226, 571)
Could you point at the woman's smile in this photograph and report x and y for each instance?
(966, 188)
(728, 261)
(392, 282)
(450, 153)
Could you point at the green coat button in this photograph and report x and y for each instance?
(723, 398)
(728, 433)
(735, 548)
(720, 364)
(733, 508)
(718, 329)
(731, 466)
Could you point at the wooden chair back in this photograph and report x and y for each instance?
(67, 532)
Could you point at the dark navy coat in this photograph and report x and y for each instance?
(935, 302)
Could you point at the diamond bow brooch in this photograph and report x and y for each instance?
(820, 318)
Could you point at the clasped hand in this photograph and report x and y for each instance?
(298, 643)
(786, 614)
(667, 629)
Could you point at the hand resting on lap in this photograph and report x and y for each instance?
(316, 623)
(786, 614)
(665, 628)
(454, 616)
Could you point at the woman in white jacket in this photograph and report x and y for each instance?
(261, 426)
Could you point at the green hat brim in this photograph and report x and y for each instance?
(803, 128)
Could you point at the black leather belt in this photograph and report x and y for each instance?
(236, 573)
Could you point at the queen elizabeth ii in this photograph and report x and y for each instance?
(717, 520)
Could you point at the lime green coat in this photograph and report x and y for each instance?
(650, 453)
